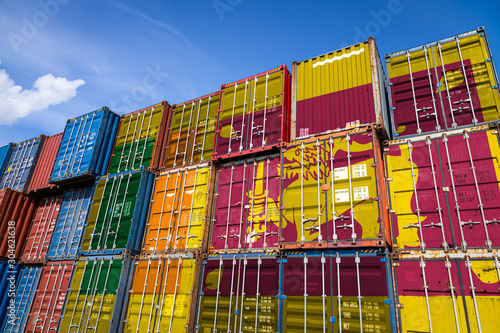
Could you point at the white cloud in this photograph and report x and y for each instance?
(17, 103)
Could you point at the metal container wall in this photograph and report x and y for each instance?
(247, 206)
(191, 132)
(448, 293)
(5, 152)
(254, 114)
(333, 192)
(68, 230)
(9, 275)
(238, 293)
(18, 208)
(180, 205)
(49, 297)
(40, 181)
(42, 227)
(339, 90)
(95, 300)
(85, 147)
(22, 162)
(118, 214)
(349, 291)
(25, 291)
(162, 294)
(444, 189)
(139, 139)
(443, 85)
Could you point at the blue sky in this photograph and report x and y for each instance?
(63, 58)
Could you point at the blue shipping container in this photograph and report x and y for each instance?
(4, 157)
(25, 291)
(9, 275)
(68, 231)
(85, 147)
(21, 164)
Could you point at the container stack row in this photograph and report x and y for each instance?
(330, 198)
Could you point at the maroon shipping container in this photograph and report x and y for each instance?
(445, 189)
(16, 213)
(38, 239)
(49, 297)
(254, 114)
(40, 180)
(439, 292)
(247, 206)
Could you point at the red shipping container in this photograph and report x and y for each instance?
(49, 297)
(40, 180)
(16, 213)
(38, 239)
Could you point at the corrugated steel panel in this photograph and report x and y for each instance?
(191, 132)
(25, 291)
(254, 114)
(68, 230)
(334, 192)
(5, 152)
(40, 180)
(452, 293)
(9, 275)
(22, 161)
(162, 293)
(336, 292)
(49, 297)
(95, 301)
(42, 226)
(16, 214)
(443, 85)
(118, 214)
(180, 206)
(445, 189)
(238, 293)
(85, 147)
(339, 90)
(139, 137)
(247, 206)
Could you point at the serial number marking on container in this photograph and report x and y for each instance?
(359, 171)
(342, 195)
(341, 173)
(360, 193)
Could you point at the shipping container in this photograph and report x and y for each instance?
(333, 192)
(247, 206)
(332, 291)
(22, 162)
(16, 214)
(238, 293)
(444, 189)
(85, 147)
(118, 213)
(439, 292)
(38, 239)
(9, 275)
(139, 140)
(180, 209)
(339, 90)
(5, 152)
(191, 132)
(68, 230)
(95, 300)
(25, 291)
(49, 297)
(443, 85)
(163, 294)
(254, 114)
(40, 180)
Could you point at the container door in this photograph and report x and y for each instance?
(178, 149)
(203, 136)
(231, 207)
(18, 170)
(303, 198)
(471, 167)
